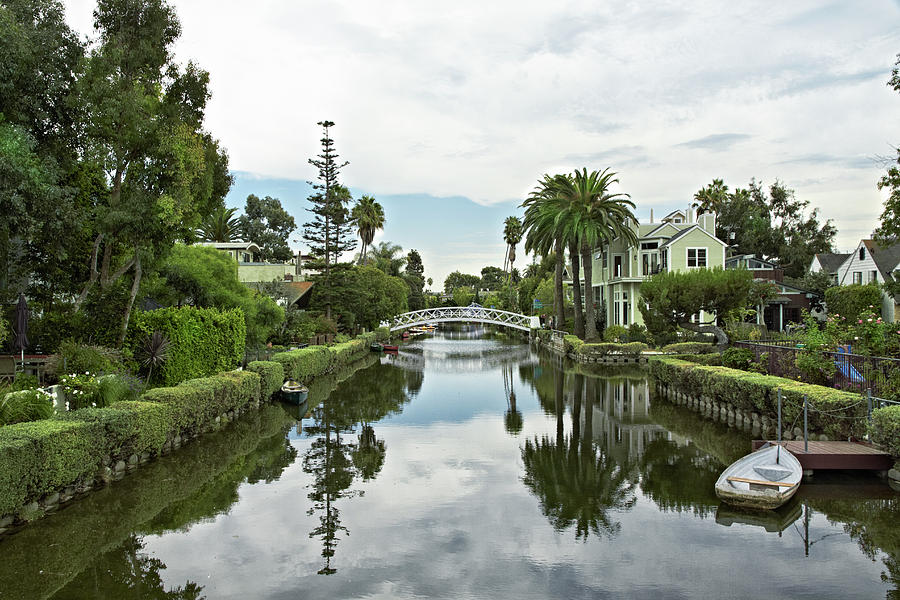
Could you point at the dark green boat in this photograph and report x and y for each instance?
(376, 347)
(294, 392)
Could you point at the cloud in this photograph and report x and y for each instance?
(716, 141)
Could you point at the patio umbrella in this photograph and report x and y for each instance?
(21, 325)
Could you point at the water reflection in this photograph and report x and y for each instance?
(577, 482)
(336, 458)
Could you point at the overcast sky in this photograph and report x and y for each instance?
(443, 109)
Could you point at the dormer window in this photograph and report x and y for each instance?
(862, 254)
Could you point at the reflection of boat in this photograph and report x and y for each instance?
(376, 347)
(773, 521)
(763, 479)
(294, 392)
(390, 348)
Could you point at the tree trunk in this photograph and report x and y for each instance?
(558, 298)
(135, 286)
(576, 289)
(94, 274)
(721, 337)
(590, 316)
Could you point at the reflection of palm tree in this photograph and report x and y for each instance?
(513, 420)
(577, 483)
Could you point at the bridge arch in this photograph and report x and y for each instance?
(464, 314)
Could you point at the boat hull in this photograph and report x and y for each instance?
(745, 484)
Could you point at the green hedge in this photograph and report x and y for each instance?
(577, 346)
(382, 334)
(202, 341)
(714, 359)
(689, 348)
(837, 413)
(43, 456)
(127, 427)
(306, 363)
(197, 402)
(884, 429)
(271, 375)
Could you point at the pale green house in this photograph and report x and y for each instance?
(676, 243)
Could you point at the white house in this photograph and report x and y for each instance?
(870, 262)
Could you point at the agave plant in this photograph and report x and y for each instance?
(154, 352)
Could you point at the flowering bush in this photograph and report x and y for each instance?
(82, 390)
(25, 405)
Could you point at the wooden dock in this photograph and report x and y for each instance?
(836, 455)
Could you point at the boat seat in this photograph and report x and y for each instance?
(773, 472)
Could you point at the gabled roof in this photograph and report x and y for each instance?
(655, 228)
(886, 257)
(687, 230)
(831, 262)
(231, 245)
(673, 214)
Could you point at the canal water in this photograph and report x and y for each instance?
(465, 466)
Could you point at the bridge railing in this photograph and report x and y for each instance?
(464, 313)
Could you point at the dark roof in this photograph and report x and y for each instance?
(886, 257)
(686, 231)
(831, 262)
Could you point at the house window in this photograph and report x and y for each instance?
(862, 254)
(664, 259)
(617, 265)
(696, 257)
(649, 245)
(649, 263)
(873, 275)
(857, 276)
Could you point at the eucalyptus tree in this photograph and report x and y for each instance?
(144, 127)
(542, 236)
(592, 214)
(369, 218)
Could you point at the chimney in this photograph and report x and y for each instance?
(651, 215)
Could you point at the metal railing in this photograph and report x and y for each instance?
(464, 314)
(854, 372)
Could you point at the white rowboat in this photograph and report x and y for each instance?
(764, 479)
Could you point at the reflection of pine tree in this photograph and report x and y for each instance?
(576, 481)
(512, 420)
(129, 572)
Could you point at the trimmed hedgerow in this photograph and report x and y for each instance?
(271, 375)
(884, 429)
(305, 363)
(202, 341)
(835, 412)
(689, 348)
(128, 427)
(42, 456)
(577, 346)
(714, 359)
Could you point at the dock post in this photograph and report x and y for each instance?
(779, 417)
(869, 405)
(805, 424)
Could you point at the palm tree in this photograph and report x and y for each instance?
(220, 226)
(384, 257)
(542, 236)
(512, 235)
(711, 198)
(369, 217)
(592, 214)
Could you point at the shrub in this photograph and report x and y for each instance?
(271, 376)
(851, 300)
(72, 357)
(689, 348)
(203, 341)
(25, 405)
(382, 334)
(714, 359)
(614, 333)
(738, 358)
(638, 333)
(835, 412)
(42, 456)
(633, 349)
(81, 389)
(573, 343)
(128, 427)
(305, 363)
(884, 429)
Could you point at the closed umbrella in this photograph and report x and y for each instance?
(21, 325)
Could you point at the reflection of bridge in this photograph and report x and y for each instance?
(471, 313)
(460, 361)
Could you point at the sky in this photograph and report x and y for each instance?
(449, 114)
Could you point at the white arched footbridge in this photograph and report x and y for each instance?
(464, 314)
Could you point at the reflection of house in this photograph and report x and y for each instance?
(674, 244)
(869, 263)
(784, 308)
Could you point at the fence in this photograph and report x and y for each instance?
(879, 375)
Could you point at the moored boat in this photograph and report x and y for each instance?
(390, 348)
(764, 479)
(376, 347)
(294, 392)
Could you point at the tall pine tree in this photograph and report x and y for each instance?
(330, 233)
